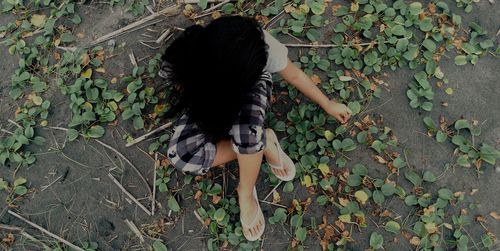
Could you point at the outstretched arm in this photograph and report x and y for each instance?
(296, 77)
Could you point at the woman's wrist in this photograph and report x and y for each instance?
(325, 102)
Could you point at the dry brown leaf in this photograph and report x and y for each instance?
(379, 159)
(198, 195)
(100, 70)
(276, 197)
(215, 199)
(495, 215)
(415, 241)
(316, 79)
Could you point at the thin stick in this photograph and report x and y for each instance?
(153, 201)
(30, 237)
(330, 45)
(145, 136)
(199, 218)
(11, 228)
(50, 184)
(132, 59)
(274, 204)
(69, 244)
(163, 36)
(128, 161)
(197, 1)
(134, 229)
(14, 123)
(128, 194)
(216, 6)
(167, 11)
(274, 189)
(5, 131)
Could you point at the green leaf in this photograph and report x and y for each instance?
(388, 189)
(138, 122)
(288, 187)
(159, 246)
(378, 197)
(430, 123)
(220, 214)
(72, 134)
(96, 131)
(376, 240)
(411, 53)
(67, 37)
(76, 19)
(313, 35)
(445, 193)
(398, 30)
(20, 181)
(415, 8)
(392, 226)
(429, 176)
(460, 60)
(411, 200)
(173, 205)
(414, 178)
(317, 7)
(21, 190)
(461, 124)
(441, 136)
(203, 4)
(301, 234)
(426, 24)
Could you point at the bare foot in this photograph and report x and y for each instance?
(271, 152)
(251, 220)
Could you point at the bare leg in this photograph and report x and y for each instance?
(249, 166)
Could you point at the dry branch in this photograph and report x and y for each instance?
(167, 11)
(129, 194)
(163, 36)
(145, 136)
(45, 231)
(153, 201)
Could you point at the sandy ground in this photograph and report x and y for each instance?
(83, 204)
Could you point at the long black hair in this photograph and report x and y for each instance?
(215, 67)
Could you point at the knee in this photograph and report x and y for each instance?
(248, 139)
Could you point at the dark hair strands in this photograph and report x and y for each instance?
(215, 67)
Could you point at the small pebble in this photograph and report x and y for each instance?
(497, 169)
(111, 43)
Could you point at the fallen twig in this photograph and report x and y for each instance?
(132, 59)
(331, 45)
(197, 1)
(216, 6)
(134, 229)
(14, 123)
(274, 204)
(153, 201)
(128, 194)
(117, 153)
(50, 184)
(145, 136)
(274, 189)
(167, 11)
(69, 244)
(163, 36)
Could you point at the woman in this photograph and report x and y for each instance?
(223, 74)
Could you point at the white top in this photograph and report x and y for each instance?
(277, 57)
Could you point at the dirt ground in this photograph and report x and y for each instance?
(84, 205)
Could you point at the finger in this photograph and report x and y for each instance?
(347, 116)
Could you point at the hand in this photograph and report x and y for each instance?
(339, 111)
